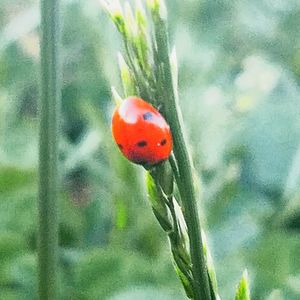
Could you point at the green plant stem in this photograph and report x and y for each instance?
(187, 192)
(186, 186)
(48, 150)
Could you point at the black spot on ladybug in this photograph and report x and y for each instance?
(120, 146)
(163, 142)
(142, 144)
(147, 116)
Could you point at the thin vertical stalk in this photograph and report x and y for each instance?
(186, 185)
(48, 152)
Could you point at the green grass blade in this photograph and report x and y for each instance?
(48, 150)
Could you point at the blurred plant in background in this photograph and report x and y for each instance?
(239, 79)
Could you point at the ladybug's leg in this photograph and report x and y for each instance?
(159, 107)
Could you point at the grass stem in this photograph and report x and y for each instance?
(186, 186)
(48, 150)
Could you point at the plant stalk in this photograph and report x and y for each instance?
(48, 150)
(186, 186)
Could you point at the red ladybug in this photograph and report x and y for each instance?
(141, 132)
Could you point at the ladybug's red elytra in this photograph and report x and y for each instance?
(141, 132)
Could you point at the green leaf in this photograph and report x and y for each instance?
(242, 292)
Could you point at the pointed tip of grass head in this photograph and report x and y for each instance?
(104, 4)
(158, 7)
(139, 6)
(130, 19)
(114, 9)
(126, 77)
(245, 278)
(140, 13)
(124, 70)
(128, 10)
(245, 274)
(242, 292)
(116, 97)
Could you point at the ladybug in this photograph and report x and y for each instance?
(141, 132)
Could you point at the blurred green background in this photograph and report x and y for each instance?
(239, 78)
